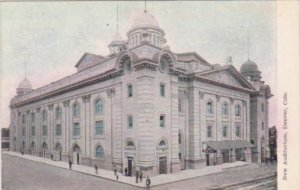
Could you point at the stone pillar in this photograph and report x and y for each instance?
(51, 127)
(202, 130)
(38, 129)
(244, 121)
(218, 117)
(232, 120)
(66, 114)
(194, 127)
(27, 123)
(175, 162)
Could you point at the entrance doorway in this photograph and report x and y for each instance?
(76, 154)
(225, 155)
(130, 162)
(58, 149)
(207, 159)
(44, 150)
(163, 165)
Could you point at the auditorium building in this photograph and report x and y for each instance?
(146, 108)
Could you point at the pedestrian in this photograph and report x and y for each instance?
(51, 156)
(115, 170)
(70, 164)
(148, 183)
(136, 176)
(22, 152)
(117, 177)
(126, 170)
(96, 169)
(141, 176)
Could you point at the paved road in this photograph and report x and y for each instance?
(23, 174)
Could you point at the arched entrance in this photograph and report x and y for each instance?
(44, 150)
(58, 149)
(76, 154)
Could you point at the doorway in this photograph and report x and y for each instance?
(225, 155)
(163, 165)
(130, 160)
(76, 154)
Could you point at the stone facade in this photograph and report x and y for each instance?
(142, 107)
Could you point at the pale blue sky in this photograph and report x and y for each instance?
(52, 36)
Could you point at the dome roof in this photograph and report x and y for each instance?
(25, 84)
(249, 66)
(145, 20)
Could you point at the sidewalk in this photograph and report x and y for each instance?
(156, 180)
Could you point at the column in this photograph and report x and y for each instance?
(51, 126)
(38, 129)
(66, 114)
(175, 162)
(218, 117)
(27, 123)
(202, 127)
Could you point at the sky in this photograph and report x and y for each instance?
(50, 37)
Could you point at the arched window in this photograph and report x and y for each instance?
(44, 115)
(76, 110)
(225, 109)
(179, 138)
(162, 143)
(237, 110)
(99, 107)
(130, 143)
(99, 152)
(58, 113)
(209, 107)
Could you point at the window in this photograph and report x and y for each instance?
(130, 121)
(162, 143)
(209, 131)
(23, 119)
(23, 145)
(162, 121)
(99, 107)
(99, 152)
(238, 131)
(58, 113)
(262, 107)
(209, 107)
(130, 93)
(99, 128)
(45, 130)
(237, 110)
(44, 115)
(225, 109)
(32, 118)
(179, 138)
(262, 125)
(162, 90)
(130, 143)
(58, 130)
(179, 105)
(76, 130)
(23, 131)
(76, 110)
(33, 131)
(224, 131)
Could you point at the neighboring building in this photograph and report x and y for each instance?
(4, 139)
(273, 142)
(144, 107)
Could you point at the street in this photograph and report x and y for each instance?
(18, 173)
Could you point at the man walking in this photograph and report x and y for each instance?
(126, 171)
(96, 169)
(137, 177)
(70, 164)
(141, 176)
(115, 170)
(148, 183)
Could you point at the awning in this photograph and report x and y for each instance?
(228, 144)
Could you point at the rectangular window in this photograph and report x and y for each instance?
(209, 131)
(45, 131)
(224, 131)
(179, 105)
(33, 131)
(76, 129)
(162, 121)
(23, 131)
(58, 130)
(262, 125)
(162, 90)
(99, 127)
(130, 93)
(238, 131)
(130, 121)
